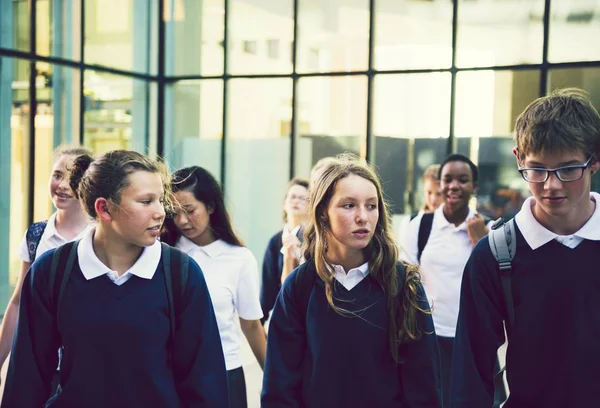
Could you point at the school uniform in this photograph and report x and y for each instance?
(50, 239)
(231, 274)
(272, 269)
(318, 358)
(116, 337)
(553, 358)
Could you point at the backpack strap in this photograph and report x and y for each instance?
(176, 269)
(424, 232)
(33, 236)
(63, 260)
(503, 243)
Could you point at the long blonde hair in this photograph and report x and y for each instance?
(382, 251)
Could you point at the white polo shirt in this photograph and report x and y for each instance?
(231, 274)
(442, 264)
(92, 267)
(536, 234)
(50, 239)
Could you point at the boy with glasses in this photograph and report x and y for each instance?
(553, 355)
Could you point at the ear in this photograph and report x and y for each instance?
(594, 167)
(102, 209)
(210, 209)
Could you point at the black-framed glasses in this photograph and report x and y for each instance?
(565, 173)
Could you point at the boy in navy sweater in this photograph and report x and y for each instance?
(553, 358)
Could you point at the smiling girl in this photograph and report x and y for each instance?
(351, 326)
(114, 326)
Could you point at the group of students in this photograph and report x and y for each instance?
(148, 322)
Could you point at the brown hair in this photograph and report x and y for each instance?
(296, 181)
(564, 120)
(107, 176)
(66, 150)
(382, 251)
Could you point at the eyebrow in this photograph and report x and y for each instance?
(568, 163)
(355, 199)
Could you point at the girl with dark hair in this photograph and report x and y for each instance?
(283, 255)
(351, 326)
(201, 227)
(130, 336)
(68, 223)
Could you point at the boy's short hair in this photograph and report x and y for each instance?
(564, 120)
(457, 157)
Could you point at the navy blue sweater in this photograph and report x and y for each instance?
(319, 358)
(115, 345)
(553, 355)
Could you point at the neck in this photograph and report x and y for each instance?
(566, 224)
(113, 252)
(72, 218)
(347, 258)
(293, 222)
(457, 216)
(207, 238)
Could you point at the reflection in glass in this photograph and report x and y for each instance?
(333, 35)
(257, 150)
(332, 119)
(260, 36)
(121, 34)
(499, 32)
(116, 113)
(194, 123)
(194, 37)
(574, 31)
(411, 123)
(410, 35)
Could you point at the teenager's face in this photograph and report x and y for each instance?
(296, 201)
(193, 218)
(554, 197)
(433, 195)
(140, 213)
(457, 186)
(352, 213)
(60, 192)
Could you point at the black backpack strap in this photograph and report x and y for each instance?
(306, 276)
(63, 261)
(176, 269)
(33, 236)
(424, 232)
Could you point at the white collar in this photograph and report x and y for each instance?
(287, 232)
(536, 234)
(51, 227)
(212, 250)
(440, 221)
(363, 269)
(92, 267)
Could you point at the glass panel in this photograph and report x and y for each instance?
(117, 34)
(197, 25)
(333, 35)
(407, 140)
(116, 112)
(58, 28)
(260, 36)
(487, 106)
(587, 79)
(14, 25)
(574, 31)
(194, 123)
(499, 32)
(332, 119)
(257, 162)
(410, 34)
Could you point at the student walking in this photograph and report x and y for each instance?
(201, 228)
(133, 317)
(69, 222)
(551, 305)
(351, 326)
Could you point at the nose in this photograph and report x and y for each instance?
(361, 215)
(160, 211)
(553, 182)
(180, 219)
(64, 184)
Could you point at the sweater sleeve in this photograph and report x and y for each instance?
(420, 364)
(480, 331)
(199, 365)
(286, 346)
(271, 277)
(34, 354)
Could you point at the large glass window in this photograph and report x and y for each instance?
(58, 25)
(574, 31)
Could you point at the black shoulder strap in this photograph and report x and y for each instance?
(176, 269)
(305, 280)
(503, 243)
(424, 232)
(33, 236)
(63, 261)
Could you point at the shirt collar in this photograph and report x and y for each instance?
(287, 232)
(363, 269)
(536, 234)
(211, 250)
(92, 267)
(440, 221)
(51, 227)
